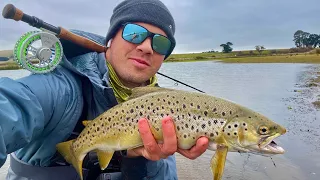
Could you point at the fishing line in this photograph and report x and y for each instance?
(180, 82)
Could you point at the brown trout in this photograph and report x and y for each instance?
(228, 126)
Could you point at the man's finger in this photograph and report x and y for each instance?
(169, 137)
(148, 140)
(200, 147)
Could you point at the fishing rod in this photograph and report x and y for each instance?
(45, 58)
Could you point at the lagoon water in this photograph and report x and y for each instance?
(266, 88)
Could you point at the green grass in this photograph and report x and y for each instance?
(248, 56)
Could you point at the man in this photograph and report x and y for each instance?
(39, 111)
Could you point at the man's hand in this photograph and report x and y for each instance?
(154, 151)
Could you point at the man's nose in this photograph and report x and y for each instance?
(145, 46)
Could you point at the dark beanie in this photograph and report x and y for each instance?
(147, 11)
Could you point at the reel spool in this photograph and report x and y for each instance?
(38, 51)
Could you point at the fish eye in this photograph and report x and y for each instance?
(263, 130)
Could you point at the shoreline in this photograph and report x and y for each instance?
(305, 58)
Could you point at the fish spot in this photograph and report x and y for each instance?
(214, 109)
(228, 134)
(209, 123)
(194, 117)
(244, 124)
(215, 121)
(169, 102)
(100, 118)
(142, 106)
(140, 113)
(172, 111)
(131, 110)
(185, 136)
(217, 133)
(229, 127)
(192, 127)
(249, 117)
(235, 125)
(246, 129)
(177, 102)
(235, 133)
(117, 112)
(211, 134)
(164, 100)
(198, 106)
(203, 126)
(223, 113)
(178, 127)
(186, 125)
(151, 104)
(168, 95)
(230, 112)
(205, 113)
(184, 106)
(191, 104)
(98, 128)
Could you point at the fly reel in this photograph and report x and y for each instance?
(38, 51)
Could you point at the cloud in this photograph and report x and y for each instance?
(201, 25)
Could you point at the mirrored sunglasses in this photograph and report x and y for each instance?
(136, 34)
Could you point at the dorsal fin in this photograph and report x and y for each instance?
(140, 91)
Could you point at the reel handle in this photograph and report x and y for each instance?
(11, 12)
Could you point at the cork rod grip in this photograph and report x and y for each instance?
(87, 43)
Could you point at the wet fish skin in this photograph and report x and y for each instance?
(228, 126)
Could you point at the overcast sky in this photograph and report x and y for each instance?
(201, 25)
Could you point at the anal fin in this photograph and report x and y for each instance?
(218, 161)
(104, 158)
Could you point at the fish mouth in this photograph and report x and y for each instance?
(268, 145)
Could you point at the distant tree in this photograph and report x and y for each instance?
(298, 38)
(305, 39)
(313, 40)
(226, 47)
(260, 48)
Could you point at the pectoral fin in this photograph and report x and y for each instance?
(218, 161)
(85, 122)
(104, 158)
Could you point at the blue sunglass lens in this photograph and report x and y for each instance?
(137, 34)
(134, 33)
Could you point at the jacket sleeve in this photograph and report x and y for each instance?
(141, 168)
(34, 105)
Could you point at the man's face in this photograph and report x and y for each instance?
(134, 63)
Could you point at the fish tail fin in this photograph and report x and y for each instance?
(65, 149)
